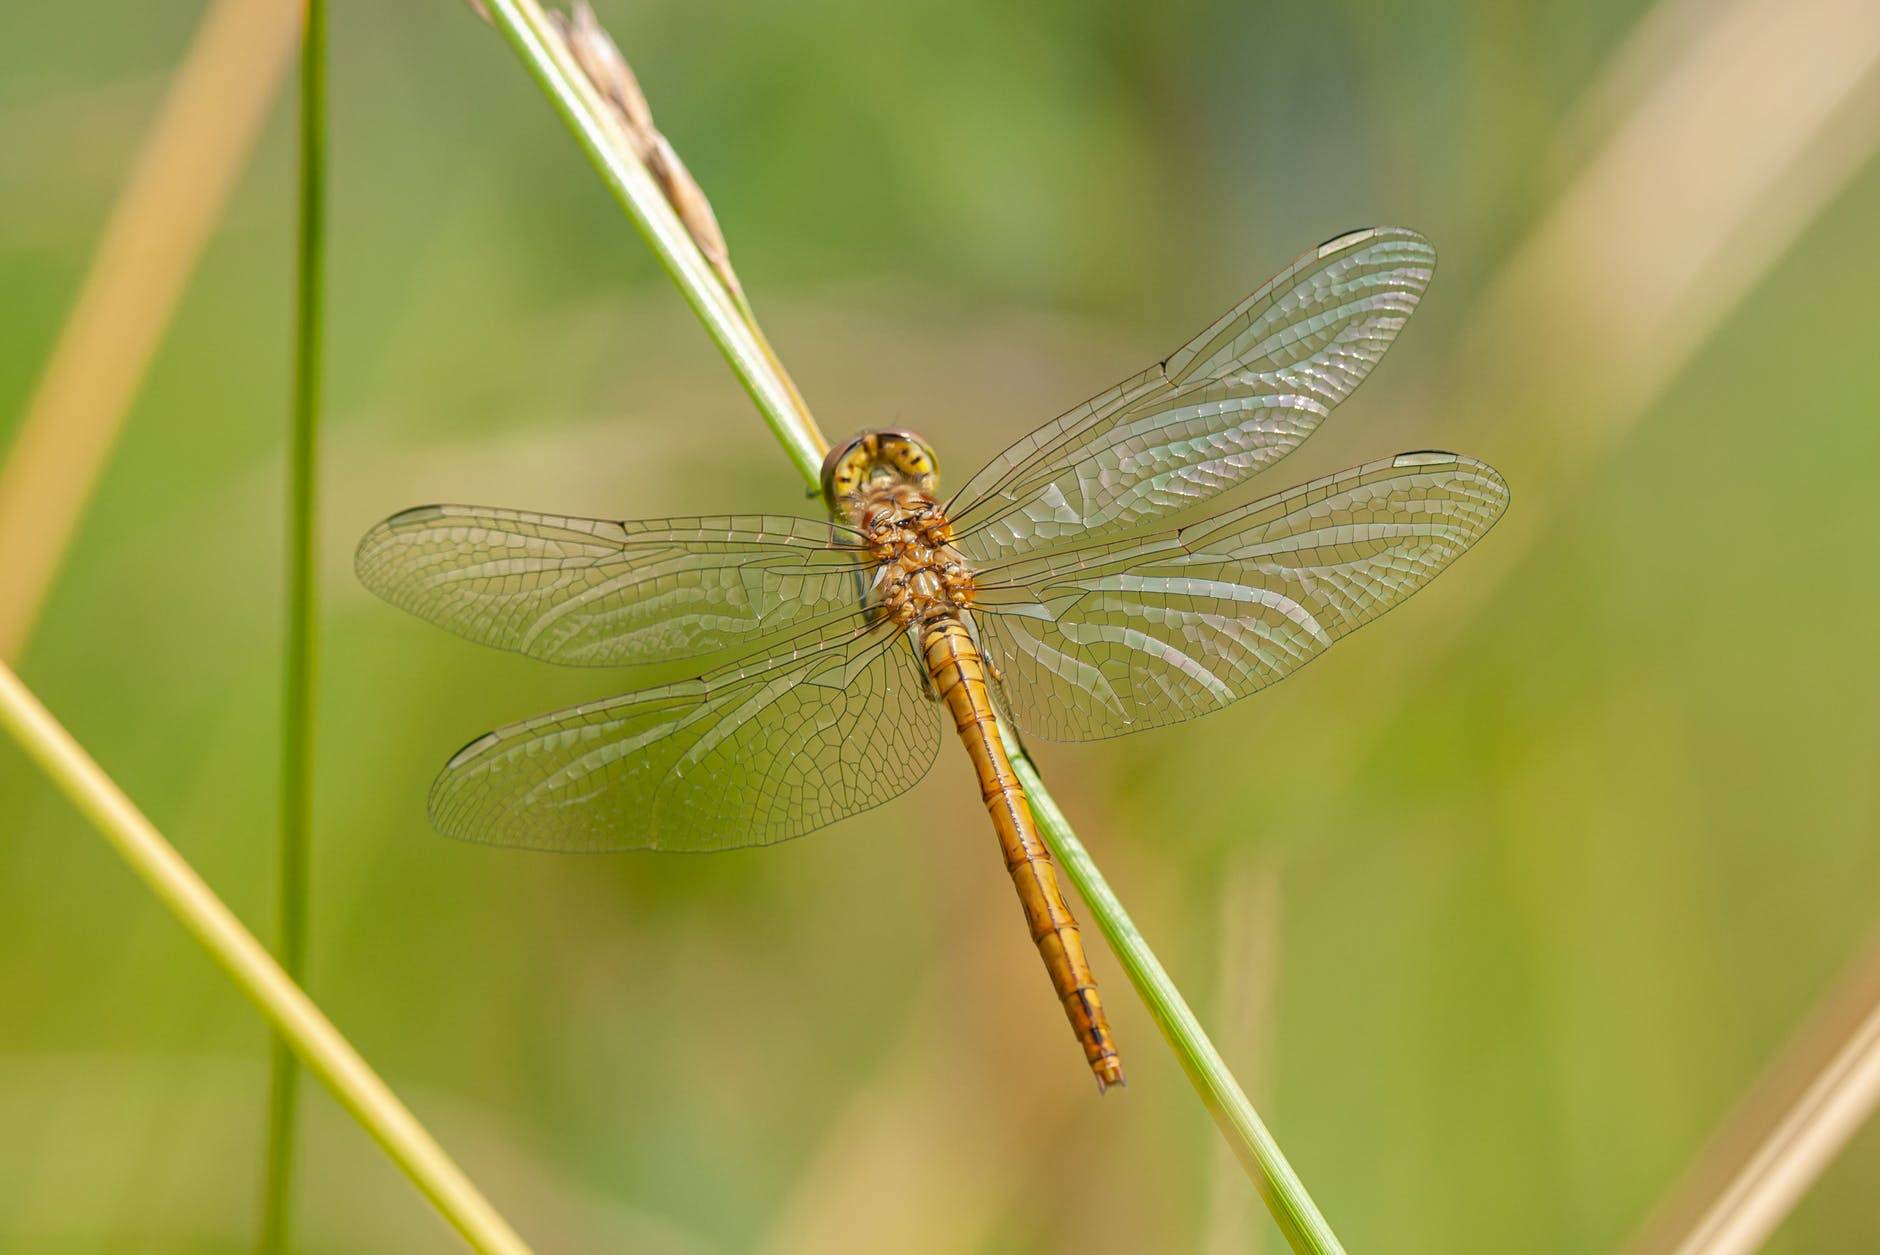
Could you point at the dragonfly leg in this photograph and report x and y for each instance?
(985, 659)
(920, 653)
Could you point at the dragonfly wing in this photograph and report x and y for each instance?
(745, 756)
(590, 592)
(1111, 639)
(1235, 399)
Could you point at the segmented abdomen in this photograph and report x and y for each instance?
(959, 677)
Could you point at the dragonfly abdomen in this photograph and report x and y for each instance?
(959, 679)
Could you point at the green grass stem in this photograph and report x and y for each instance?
(302, 619)
(595, 126)
(1280, 1187)
(602, 138)
(300, 1023)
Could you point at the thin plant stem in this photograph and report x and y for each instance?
(302, 618)
(1799, 1149)
(597, 129)
(300, 1023)
(1810, 1101)
(1285, 1194)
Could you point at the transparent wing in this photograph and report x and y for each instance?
(1237, 398)
(1111, 639)
(589, 592)
(744, 756)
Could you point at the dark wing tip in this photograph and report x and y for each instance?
(1346, 239)
(1430, 457)
(416, 514)
(471, 749)
(1445, 457)
(1474, 468)
(382, 533)
(444, 804)
(1364, 235)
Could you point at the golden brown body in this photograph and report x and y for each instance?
(883, 482)
(959, 677)
(1061, 560)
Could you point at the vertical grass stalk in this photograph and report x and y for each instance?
(600, 133)
(300, 1023)
(302, 618)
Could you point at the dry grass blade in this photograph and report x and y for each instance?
(1551, 342)
(1822, 1088)
(156, 232)
(1755, 170)
(1630, 272)
(1248, 973)
(908, 1166)
(604, 134)
(599, 57)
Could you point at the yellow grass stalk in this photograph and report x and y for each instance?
(912, 1167)
(172, 201)
(1624, 279)
(1798, 1151)
(1247, 980)
(1823, 1088)
(247, 962)
(1618, 287)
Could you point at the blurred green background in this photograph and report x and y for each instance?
(1499, 910)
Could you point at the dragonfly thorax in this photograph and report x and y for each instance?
(883, 483)
(919, 575)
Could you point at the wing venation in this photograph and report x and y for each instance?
(1236, 399)
(593, 592)
(745, 756)
(1108, 639)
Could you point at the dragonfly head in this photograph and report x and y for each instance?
(877, 460)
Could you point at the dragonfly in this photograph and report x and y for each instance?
(1063, 591)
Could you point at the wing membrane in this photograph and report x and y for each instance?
(1234, 400)
(1111, 639)
(745, 756)
(590, 592)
